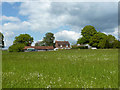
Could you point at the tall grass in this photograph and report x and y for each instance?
(61, 69)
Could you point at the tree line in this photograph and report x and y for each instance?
(89, 36)
(97, 39)
(26, 40)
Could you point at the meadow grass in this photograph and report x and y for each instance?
(60, 69)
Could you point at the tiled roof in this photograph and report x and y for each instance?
(62, 42)
(39, 47)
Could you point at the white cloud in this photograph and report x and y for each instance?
(40, 17)
(8, 38)
(10, 26)
(61, 0)
(8, 34)
(0, 28)
(71, 36)
(114, 33)
(47, 16)
(8, 42)
(33, 44)
(5, 18)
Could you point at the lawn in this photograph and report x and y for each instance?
(60, 69)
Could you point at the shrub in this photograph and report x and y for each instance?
(16, 48)
(83, 47)
(79, 47)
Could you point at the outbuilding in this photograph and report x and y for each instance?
(38, 48)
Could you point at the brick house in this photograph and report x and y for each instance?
(62, 45)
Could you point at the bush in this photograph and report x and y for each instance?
(83, 47)
(16, 48)
(79, 47)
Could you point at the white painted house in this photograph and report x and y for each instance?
(89, 47)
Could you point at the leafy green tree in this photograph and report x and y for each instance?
(116, 44)
(1, 40)
(81, 40)
(102, 43)
(17, 47)
(98, 40)
(25, 39)
(87, 32)
(49, 39)
(110, 41)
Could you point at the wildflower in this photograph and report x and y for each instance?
(91, 81)
(48, 86)
(38, 76)
(51, 82)
(111, 72)
(69, 82)
(59, 79)
(60, 85)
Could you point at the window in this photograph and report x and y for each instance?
(60, 45)
(66, 45)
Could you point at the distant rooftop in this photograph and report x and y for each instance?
(62, 42)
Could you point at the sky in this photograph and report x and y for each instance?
(64, 19)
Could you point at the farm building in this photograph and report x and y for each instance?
(62, 45)
(58, 45)
(89, 47)
(38, 48)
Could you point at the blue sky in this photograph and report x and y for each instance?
(65, 20)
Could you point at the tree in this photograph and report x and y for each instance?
(116, 44)
(1, 40)
(49, 39)
(102, 43)
(98, 40)
(110, 41)
(81, 40)
(25, 39)
(16, 47)
(87, 32)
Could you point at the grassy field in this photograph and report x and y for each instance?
(61, 69)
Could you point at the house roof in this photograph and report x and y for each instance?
(62, 42)
(39, 47)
